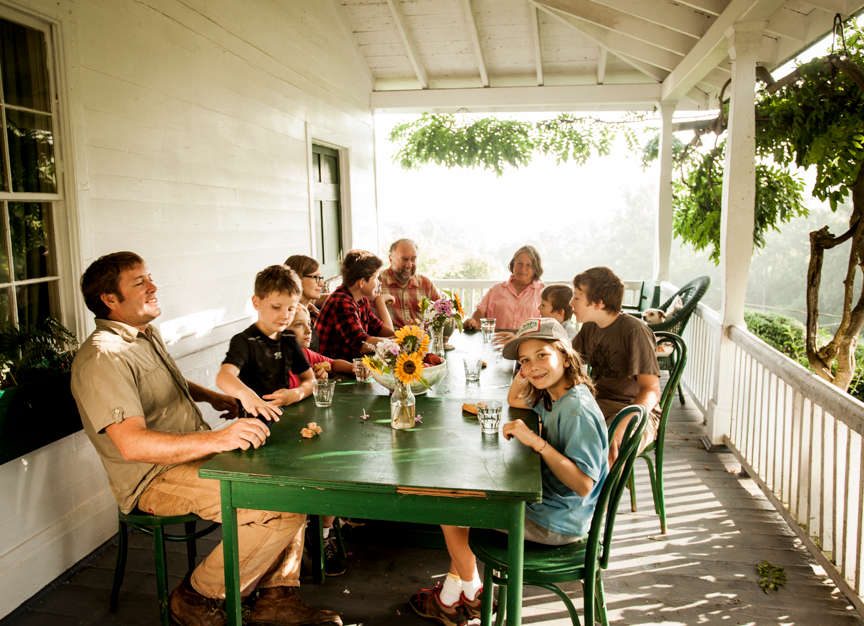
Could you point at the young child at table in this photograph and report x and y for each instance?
(301, 327)
(554, 303)
(259, 360)
(574, 449)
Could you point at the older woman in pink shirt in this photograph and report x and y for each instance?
(516, 299)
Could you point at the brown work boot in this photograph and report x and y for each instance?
(283, 606)
(190, 608)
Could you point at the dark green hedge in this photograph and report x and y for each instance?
(787, 335)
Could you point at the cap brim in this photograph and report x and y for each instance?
(511, 349)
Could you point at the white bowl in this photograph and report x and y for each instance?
(431, 373)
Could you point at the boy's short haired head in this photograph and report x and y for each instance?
(600, 284)
(277, 279)
(103, 276)
(532, 253)
(559, 297)
(359, 264)
(302, 264)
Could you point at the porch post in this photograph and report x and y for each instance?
(664, 209)
(736, 225)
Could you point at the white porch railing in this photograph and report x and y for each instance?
(471, 290)
(798, 437)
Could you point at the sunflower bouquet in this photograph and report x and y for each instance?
(401, 356)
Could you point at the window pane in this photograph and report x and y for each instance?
(24, 66)
(5, 272)
(34, 303)
(3, 185)
(5, 308)
(31, 249)
(31, 151)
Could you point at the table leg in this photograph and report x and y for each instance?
(515, 554)
(231, 557)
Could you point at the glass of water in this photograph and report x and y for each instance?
(487, 328)
(323, 390)
(489, 415)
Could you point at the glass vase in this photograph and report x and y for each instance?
(403, 407)
(437, 346)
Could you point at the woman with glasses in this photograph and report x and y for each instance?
(311, 287)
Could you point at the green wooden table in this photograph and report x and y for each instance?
(442, 471)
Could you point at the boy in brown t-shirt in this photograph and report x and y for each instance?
(619, 349)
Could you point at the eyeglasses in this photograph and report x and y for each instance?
(318, 277)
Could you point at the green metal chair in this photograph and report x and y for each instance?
(547, 566)
(155, 525)
(677, 359)
(691, 294)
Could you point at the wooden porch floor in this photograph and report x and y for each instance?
(702, 572)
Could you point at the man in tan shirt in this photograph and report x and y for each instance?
(140, 413)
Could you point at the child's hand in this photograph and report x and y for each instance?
(517, 428)
(284, 397)
(502, 337)
(259, 408)
(386, 298)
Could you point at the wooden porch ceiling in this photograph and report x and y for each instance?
(568, 54)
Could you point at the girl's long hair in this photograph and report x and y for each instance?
(574, 374)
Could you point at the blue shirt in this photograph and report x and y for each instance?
(574, 427)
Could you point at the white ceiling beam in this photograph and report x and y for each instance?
(665, 13)
(408, 42)
(519, 98)
(535, 40)
(712, 7)
(713, 47)
(621, 23)
(471, 25)
(601, 66)
(832, 6)
(617, 43)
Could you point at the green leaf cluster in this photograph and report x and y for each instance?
(698, 198)
(46, 346)
(771, 577)
(493, 144)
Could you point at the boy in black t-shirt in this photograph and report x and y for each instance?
(255, 369)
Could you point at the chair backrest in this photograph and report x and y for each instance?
(678, 358)
(603, 522)
(690, 294)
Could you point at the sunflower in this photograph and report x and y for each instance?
(372, 364)
(409, 368)
(413, 339)
(458, 304)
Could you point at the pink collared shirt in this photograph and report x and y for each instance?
(510, 308)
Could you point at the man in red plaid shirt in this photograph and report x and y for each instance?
(408, 288)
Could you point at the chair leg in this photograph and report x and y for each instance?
(562, 595)
(680, 394)
(502, 604)
(160, 559)
(120, 567)
(600, 602)
(191, 548)
(315, 546)
(486, 602)
(631, 485)
(660, 501)
(588, 587)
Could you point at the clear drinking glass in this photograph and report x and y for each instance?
(487, 328)
(489, 415)
(361, 372)
(323, 390)
(473, 366)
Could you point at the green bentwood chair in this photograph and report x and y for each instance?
(155, 525)
(547, 566)
(677, 359)
(691, 294)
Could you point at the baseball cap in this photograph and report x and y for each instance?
(536, 328)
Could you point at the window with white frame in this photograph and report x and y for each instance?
(29, 190)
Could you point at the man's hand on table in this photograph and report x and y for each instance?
(243, 434)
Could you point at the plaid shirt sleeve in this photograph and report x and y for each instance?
(341, 330)
(371, 321)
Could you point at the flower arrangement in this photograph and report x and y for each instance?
(402, 356)
(447, 308)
